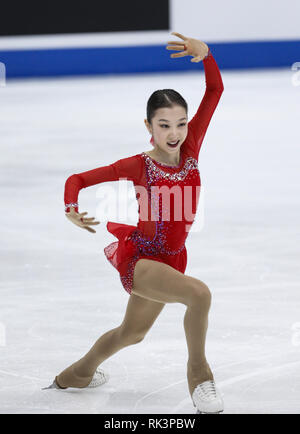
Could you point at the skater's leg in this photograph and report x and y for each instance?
(162, 283)
(195, 326)
(139, 317)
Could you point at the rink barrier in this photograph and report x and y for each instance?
(143, 59)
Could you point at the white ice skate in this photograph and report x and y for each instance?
(207, 399)
(100, 377)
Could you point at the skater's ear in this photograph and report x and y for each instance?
(148, 126)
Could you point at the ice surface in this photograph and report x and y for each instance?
(58, 291)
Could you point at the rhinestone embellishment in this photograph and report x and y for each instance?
(70, 204)
(155, 173)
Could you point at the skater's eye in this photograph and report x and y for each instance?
(165, 125)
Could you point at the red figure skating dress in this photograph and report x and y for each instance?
(158, 236)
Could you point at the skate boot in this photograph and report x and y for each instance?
(207, 399)
(100, 377)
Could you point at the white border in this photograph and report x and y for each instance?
(110, 39)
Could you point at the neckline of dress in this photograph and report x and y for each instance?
(164, 164)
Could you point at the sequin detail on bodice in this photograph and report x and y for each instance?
(170, 235)
(155, 173)
(151, 247)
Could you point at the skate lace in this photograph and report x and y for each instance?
(206, 391)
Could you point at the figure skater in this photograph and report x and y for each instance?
(151, 257)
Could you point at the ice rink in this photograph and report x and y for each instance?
(58, 291)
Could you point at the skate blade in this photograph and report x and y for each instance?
(52, 386)
(203, 412)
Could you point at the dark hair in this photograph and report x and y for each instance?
(164, 98)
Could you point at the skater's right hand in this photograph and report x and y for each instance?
(79, 220)
(189, 47)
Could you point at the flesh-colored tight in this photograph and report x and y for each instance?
(154, 285)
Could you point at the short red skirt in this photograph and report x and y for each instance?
(124, 254)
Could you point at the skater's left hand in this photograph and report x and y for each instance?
(79, 220)
(190, 46)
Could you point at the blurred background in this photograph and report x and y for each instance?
(128, 37)
(74, 83)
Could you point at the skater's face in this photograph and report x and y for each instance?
(167, 126)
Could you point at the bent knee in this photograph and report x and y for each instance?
(200, 294)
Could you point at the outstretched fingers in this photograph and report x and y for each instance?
(176, 43)
(175, 47)
(87, 220)
(89, 229)
(87, 226)
(179, 35)
(184, 53)
(89, 223)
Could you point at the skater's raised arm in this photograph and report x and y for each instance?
(129, 168)
(214, 87)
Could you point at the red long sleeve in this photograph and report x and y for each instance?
(129, 168)
(199, 123)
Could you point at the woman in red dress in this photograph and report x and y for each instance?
(151, 257)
